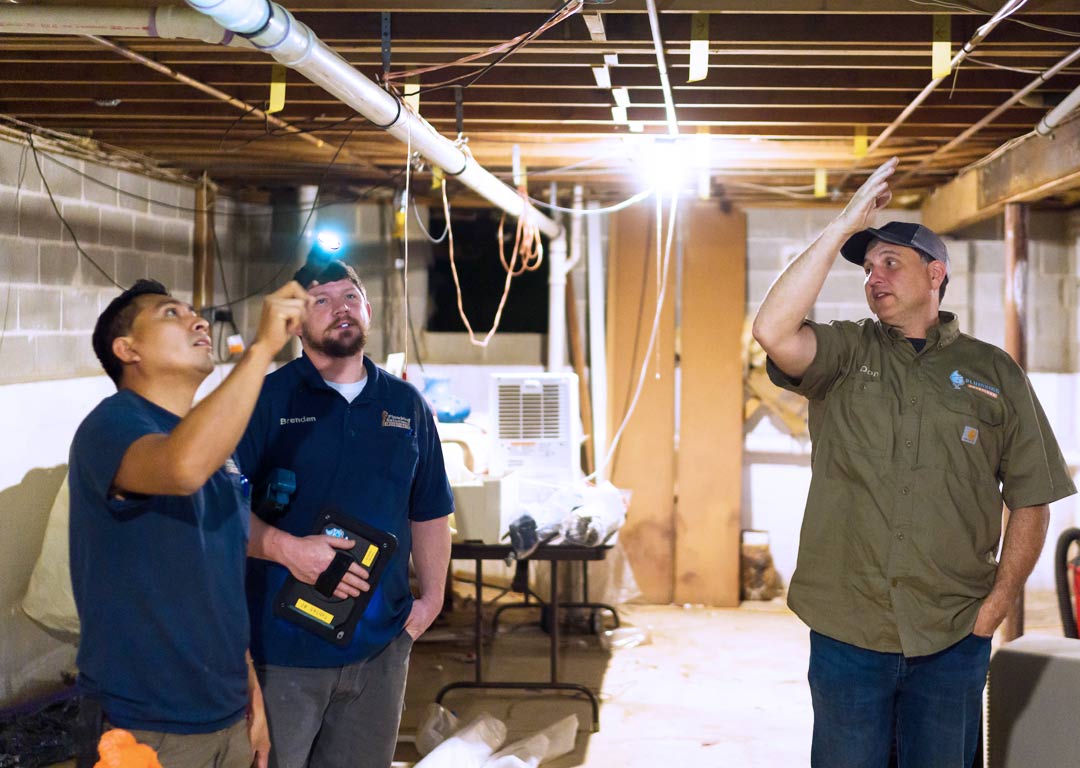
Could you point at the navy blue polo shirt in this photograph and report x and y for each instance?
(158, 583)
(377, 459)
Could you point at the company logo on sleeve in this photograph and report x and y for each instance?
(960, 381)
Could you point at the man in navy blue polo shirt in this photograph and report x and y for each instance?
(365, 442)
(159, 529)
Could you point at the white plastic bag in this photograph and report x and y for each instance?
(469, 747)
(438, 724)
(554, 741)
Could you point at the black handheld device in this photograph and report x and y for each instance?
(314, 607)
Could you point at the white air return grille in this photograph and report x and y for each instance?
(537, 425)
(530, 413)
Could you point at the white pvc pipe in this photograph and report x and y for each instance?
(165, 22)
(597, 338)
(274, 30)
(1058, 113)
(556, 350)
(307, 197)
(577, 243)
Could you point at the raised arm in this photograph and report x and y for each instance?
(181, 462)
(778, 326)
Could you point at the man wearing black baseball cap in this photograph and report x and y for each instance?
(920, 434)
(363, 442)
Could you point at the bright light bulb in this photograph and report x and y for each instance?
(665, 163)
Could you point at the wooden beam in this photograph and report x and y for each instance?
(203, 256)
(1033, 169)
(1016, 269)
(709, 468)
(859, 7)
(644, 462)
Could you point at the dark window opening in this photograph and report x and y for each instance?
(476, 254)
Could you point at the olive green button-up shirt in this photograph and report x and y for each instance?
(912, 457)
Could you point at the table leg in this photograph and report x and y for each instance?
(478, 621)
(553, 613)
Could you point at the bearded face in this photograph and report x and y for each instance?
(338, 321)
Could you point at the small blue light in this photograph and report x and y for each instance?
(329, 242)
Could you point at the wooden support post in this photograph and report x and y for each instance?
(645, 459)
(1016, 261)
(709, 465)
(577, 358)
(203, 282)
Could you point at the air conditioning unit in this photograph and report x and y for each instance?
(536, 426)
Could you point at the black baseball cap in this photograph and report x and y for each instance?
(325, 271)
(904, 233)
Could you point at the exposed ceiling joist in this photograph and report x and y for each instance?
(1033, 169)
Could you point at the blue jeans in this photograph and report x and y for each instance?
(864, 701)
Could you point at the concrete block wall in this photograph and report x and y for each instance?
(50, 295)
(776, 236)
(242, 232)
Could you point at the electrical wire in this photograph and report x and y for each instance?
(580, 164)
(284, 130)
(992, 65)
(997, 152)
(424, 229)
(405, 237)
(1022, 22)
(67, 226)
(565, 11)
(20, 176)
(636, 346)
(527, 243)
(653, 337)
(190, 209)
(412, 333)
(596, 211)
(457, 282)
(303, 228)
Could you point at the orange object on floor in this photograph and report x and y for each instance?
(119, 749)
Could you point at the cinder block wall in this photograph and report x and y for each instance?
(976, 283)
(50, 295)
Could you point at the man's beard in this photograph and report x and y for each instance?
(338, 347)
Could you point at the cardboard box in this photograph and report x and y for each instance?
(484, 507)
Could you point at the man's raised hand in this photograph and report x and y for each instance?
(870, 198)
(283, 313)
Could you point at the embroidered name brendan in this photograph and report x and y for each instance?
(297, 420)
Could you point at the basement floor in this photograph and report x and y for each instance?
(712, 687)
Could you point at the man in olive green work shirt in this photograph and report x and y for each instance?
(919, 434)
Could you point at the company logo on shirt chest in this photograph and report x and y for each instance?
(960, 381)
(398, 422)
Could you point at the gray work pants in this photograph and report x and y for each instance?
(337, 717)
(227, 748)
